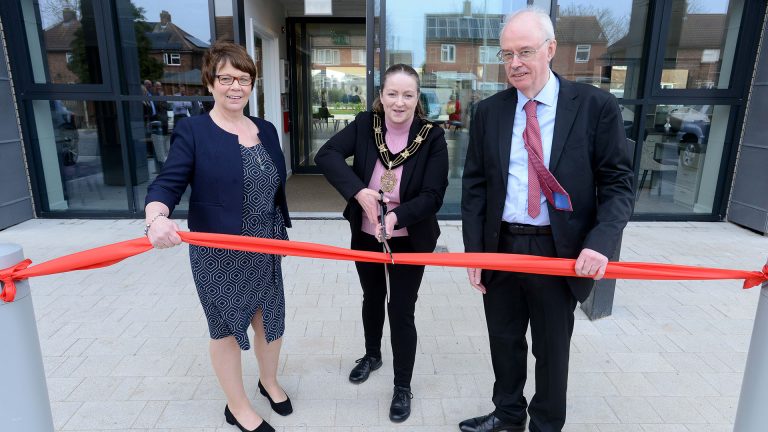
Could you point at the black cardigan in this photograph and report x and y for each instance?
(422, 187)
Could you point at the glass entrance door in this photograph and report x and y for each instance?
(329, 61)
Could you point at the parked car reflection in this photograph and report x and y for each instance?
(691, 125)
(65, 132)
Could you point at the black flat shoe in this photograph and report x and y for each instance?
(263, 427)
(400, 409)
(364, 367)
(490, 423)
(283, 408)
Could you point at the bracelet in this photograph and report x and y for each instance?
(146, 227)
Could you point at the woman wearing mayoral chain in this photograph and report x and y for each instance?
(400, 157)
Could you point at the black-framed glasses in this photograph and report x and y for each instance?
(228, 80)
(526, 54)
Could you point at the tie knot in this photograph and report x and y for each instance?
(530, 108)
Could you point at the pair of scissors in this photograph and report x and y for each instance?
(383, 236)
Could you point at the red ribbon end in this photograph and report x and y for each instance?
(9, 291)
(9, 277)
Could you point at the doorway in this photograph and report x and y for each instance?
(328, 74)
(263, 46)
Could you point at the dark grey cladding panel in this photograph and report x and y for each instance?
(3, 66)
(13, 176)
(762, 67)
(756, 133)
(751, 178)
(9, 129)
(15, 213)
(748, 205)
(749, 217)
(15, 202)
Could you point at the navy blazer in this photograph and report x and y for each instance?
(590, 158)
(208, 158)
(422, 187)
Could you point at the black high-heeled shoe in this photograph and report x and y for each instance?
(263, 427)
(283, 408)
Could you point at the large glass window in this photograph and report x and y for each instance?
(162, 42)
(453, 46)
(63, 41)
(80, 155)
(162, 46)
(680, 159)
(601, 44)
(701, 44)
(151, 124)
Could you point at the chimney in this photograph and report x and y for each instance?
(165, 18)
(467, 8)
(68, 15)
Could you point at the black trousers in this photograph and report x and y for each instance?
(404, 283)
(511, 302)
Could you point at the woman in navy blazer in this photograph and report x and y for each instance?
(414, 185)
(236, 171)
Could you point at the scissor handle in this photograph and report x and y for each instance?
(382, 208)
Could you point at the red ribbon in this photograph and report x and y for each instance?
(116, 252)
(9, 281)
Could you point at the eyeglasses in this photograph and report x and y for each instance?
(228, 80)
(526, 54)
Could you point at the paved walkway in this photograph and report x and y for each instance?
(125, 348)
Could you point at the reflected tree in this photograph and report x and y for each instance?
(613, 26)
(83, 57)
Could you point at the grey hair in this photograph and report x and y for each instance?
(545, 22)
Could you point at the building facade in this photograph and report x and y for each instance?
(91, 90)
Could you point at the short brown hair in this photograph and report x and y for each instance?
(378, 107)
(221, 53)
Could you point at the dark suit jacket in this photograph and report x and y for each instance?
(422, 188)
(208, 159)
(590, 158)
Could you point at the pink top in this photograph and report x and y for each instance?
(397, 140)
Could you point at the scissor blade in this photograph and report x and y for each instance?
(386, 277)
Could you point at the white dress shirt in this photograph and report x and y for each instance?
(516, 204)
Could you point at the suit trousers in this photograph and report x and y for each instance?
(404, 288)
(512, 301)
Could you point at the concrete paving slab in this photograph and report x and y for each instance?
(125, 348)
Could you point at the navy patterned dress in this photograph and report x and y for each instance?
(233, 285)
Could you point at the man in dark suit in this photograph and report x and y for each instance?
(571, 198)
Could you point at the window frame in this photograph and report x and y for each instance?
(447, 50)
(580, 49)
(486, 54)
(740, 74)
(168, 58)
(358, 57)
(24, 76)
(333, 53)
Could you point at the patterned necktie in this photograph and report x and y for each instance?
(540, 180)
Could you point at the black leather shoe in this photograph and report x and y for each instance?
(263, 427)
(364, 367)
(283, 408)
(490, 423)
(401, 404)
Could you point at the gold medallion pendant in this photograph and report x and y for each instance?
(388, 181)
(389, 178)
